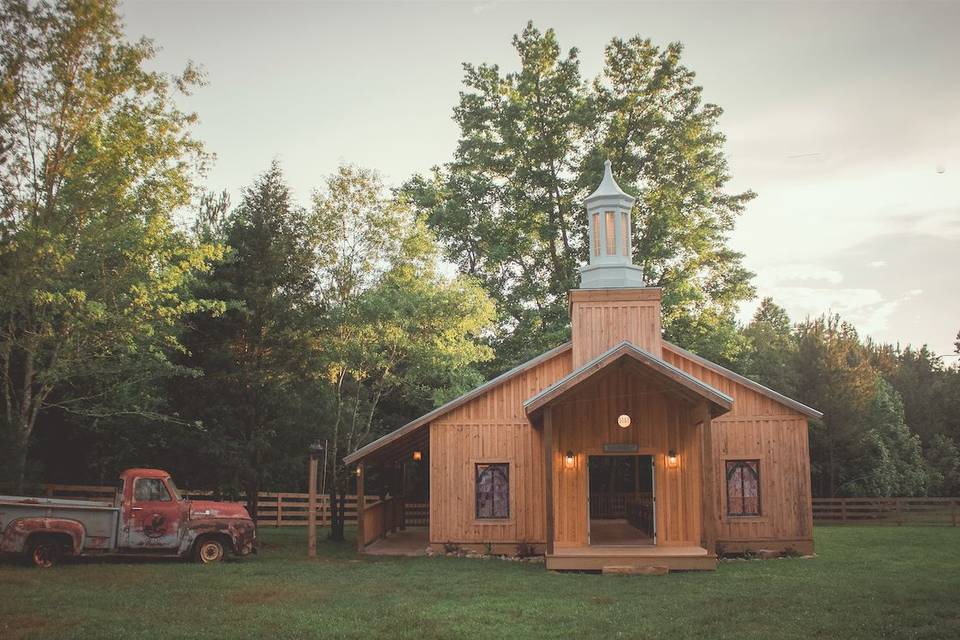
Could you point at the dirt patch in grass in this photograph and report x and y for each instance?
(27, 625)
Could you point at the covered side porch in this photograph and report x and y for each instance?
(624, 455)
(392, 493)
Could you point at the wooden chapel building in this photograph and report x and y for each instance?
(617, 448)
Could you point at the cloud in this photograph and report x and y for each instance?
(779, 275)
(483, 8)
(877, 263)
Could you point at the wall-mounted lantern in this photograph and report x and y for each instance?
(623, 421)
(672, 459)
(418, 455)
(359, 470)
(569, 459)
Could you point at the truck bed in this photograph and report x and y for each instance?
(100, 520)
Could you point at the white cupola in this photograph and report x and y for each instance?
(611, 251)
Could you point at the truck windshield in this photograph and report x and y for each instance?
(173, 489)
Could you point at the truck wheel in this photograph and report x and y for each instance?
(45, 552)
(208, 551)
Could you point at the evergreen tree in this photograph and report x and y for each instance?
(834, 375)
(772, 353)
(249, 402)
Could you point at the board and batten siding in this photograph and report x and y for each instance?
(659, 422)
(759, 428)
(603, 318)
(492, 427)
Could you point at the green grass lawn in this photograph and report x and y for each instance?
(867, 582)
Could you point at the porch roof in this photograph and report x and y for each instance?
(670, 376)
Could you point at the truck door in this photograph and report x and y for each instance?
(155, 516)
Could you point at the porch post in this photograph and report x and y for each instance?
(312, 508)
(548, 471)
(708, 483)
(403, 495)
(361, 504)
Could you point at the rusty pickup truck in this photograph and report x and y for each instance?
(148, 518)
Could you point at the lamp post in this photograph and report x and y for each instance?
(315, 449)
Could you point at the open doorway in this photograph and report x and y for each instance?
(621, 500)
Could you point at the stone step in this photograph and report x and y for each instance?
(643, 570)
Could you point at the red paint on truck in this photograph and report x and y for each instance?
(148, 518)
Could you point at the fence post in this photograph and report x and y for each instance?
(899, 515)
(279, 509)
(956, 508)
(843, 509)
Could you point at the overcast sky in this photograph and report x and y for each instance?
(844, 118)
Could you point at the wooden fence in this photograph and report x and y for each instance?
(895, 511)
(290, 509)
(280, 509)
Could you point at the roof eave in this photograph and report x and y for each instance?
(717, 398)
(747, 382)
(411, 426)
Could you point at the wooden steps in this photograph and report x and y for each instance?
(648, 560)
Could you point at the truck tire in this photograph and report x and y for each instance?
(209, 551)
(44, 551)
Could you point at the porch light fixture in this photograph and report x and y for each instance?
(359, 470)
(623, 421)
(672, 459)
(568, 459)
(417, 455)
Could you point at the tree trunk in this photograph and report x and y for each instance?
(252, 488)
(336, 512)
(19, 461)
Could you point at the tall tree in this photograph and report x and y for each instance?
(834, 375)
(393, 325)
(508, 207)
(887, 459)
(771, 356)
(95, 160)
(249, 399)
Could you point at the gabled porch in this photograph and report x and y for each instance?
(628, 403)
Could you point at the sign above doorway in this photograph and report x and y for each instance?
(620, 447)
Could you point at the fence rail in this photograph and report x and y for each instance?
(896, 511)
(284, 509)
(280, 509)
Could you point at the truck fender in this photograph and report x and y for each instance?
(199, 528)
(18, 531)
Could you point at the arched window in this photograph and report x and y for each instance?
(743, 487)
(493, 490)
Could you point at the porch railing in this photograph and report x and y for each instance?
(382, 517)
(615, 505)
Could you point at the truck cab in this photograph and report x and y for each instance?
(149, 517)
